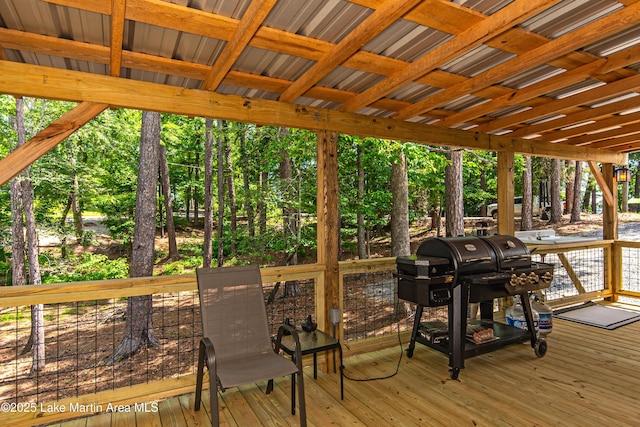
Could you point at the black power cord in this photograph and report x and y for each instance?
(395, 318)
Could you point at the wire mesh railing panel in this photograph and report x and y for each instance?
(575, 272)
(630, 277)
(293, 300)
(372, 307)
(80, 340)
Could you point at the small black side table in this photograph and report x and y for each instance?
(314, 343)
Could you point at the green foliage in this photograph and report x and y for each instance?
(89, 266)
(182, 266)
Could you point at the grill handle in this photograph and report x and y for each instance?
(518, 256)
(485, 258)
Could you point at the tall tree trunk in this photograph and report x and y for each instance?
(400, 239)
(22, 204)
(363, 253)
(37, 311)
(221, 141)
(63, 227)
(636, 186)
(231, 196)
(138, 331)
(624, 197)
(570, 185)
(188, 192)
(526, 222)
(556, 203)
(168, 205)
(453, 194)
(262, 206)
(577, 183)
(208, 194)
(248, 203)
(196, 204)
(586, 200)
(160, 208)
(78, 224)
(483, 187)
(290, 223)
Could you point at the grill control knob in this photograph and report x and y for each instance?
(547, 277)
(514, 280)
(533, 278)
(522, 280)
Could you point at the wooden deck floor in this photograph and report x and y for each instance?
(589, 377)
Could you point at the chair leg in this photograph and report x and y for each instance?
(213, 401)
(200, 377)
(301, 400)
(206, 354)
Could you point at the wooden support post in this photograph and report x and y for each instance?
(610, 210)
(23, 156)
(328, 292)
(505, 193)
(610, 230)
(609, 187)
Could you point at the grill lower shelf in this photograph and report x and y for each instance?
(435, 335)
(454, 342)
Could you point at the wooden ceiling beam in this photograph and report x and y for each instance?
(181, 18)
(118, 8)
(575, 118)
(246, 29)
(46, 139)
(606, 139)
(613, 23)
(591, 128)
(516, 97)
(373, 25)
(473, 36)
(47, 82)
(587, 97)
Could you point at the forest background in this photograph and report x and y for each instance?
(265, 182)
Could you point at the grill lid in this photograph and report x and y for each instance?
(468, 254)
(510, 251)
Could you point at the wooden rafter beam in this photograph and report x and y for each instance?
(617, 137)
(605, 138)
(555, 106)
(579, 117)
(597, 126)
(246, 29)
(450, 17)
(486, 29)
(46, 82)
(118, 8)
(624, 144)
(516, 97)
(46, 139)
(615, 22)
(379, 20)
(47, 45)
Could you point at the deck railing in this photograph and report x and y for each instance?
(84, 323)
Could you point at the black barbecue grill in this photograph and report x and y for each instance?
(458, 270)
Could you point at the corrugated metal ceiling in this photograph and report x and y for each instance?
(296, 34)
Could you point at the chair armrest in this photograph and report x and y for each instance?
(289, 330)
(209, 353)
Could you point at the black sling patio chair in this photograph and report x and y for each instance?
(236, 345)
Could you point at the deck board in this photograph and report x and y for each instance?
(589, 376)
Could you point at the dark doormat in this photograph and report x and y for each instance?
(597, 315)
